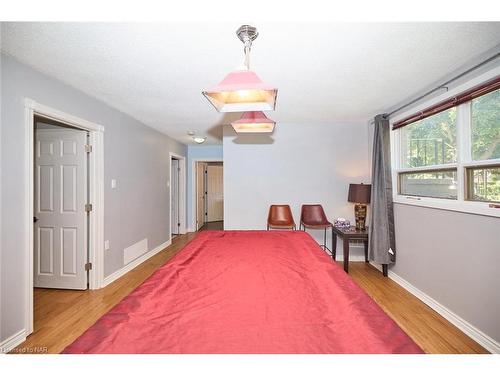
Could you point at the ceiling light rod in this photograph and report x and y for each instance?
(247, 34)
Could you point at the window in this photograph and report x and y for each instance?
(438, 184)
(485, 127)
(431, 141)
(453, 155)
(484, 184)
(429, 156)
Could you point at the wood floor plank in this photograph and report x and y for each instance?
(61, 316)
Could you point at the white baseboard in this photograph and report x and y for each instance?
(11, 342)
(352, 258)
(481, 338)
(130, 266)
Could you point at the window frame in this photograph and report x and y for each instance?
(426, 170)
(464, 157)
(469, 183)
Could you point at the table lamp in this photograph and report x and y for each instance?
(360, 195)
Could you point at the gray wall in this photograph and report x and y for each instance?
(297, 164)
(454, 258)
(135, 155)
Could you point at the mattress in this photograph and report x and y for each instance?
(247, 292)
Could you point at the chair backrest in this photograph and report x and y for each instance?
(280, 214)
(313, 214)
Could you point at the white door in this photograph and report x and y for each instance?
(200, 195)
(60, 232)
(215, 194)
(174, 196)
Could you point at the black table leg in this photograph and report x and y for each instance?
(384, 269)
(366, 250)
(346, 254)
(334, 245)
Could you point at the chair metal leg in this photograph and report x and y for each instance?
(325, 245)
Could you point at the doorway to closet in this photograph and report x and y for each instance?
(209, 195)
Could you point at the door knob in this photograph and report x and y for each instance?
(35, 219)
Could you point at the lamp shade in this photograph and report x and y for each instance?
(240, 91)
(359, 193)
(253, 122)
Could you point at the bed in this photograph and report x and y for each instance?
(247, 292)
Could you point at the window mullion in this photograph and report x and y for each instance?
(463, 148)
(396, 160)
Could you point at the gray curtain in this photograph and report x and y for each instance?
(382, 243)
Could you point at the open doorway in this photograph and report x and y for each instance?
(209, 193)
(177, 195)
(64, 217)
(174, 197)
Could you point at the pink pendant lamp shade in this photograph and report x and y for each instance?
(253, 122)
(242, 90)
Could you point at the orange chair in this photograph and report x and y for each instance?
(280, 217)
(313, 216)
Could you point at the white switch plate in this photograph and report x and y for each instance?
(106, 245)
(113, 184)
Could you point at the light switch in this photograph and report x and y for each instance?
(106, 245)
(113, 184)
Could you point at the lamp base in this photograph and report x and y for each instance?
(360, 215)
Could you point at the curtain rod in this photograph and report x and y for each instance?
(443, 85)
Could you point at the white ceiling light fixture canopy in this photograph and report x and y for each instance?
(242, 89)
(195, 138)
(253, 122)
(199, 140)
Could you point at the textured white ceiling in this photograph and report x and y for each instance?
(325, 73)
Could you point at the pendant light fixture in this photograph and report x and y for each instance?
(253, 122)
(242, 89)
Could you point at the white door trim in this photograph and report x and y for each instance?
(96, 183)
(182, 193)
(194, 188)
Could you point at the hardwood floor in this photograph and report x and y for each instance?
(213, 225)
(63, 315)
(432, 332)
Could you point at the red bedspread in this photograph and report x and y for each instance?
(247, 292)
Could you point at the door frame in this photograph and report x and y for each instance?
(182, 193)
(194, 199)
(96, 186)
